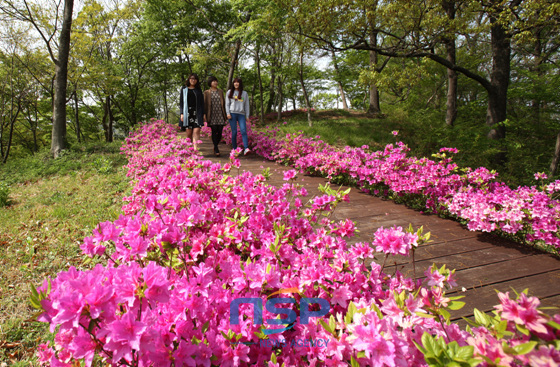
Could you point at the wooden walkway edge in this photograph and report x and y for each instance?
(484, 263)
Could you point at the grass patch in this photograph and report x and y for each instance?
(103, 157)
(53, 205)
(341, 128)
(425, 132)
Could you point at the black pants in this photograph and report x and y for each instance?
(217, 134)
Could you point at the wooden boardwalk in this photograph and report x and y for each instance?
(484, 262)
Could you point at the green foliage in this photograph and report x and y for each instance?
(439, 354)
(54, 204)
(529, 146)
(103, 165)
(4, 194)
(339, 127)
(92, 156)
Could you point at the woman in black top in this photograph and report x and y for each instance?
(215, 112)
(191, 104)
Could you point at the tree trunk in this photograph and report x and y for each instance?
(235, 57)
(374, 106)
(58, 142)
(261, 96)
(305, 96)
(77, 117)
(13, 118)
(271, 93)
(280, 99)
(252, 102)
(233, 64)
(35, 126)
(338, 81)
(499, 81)
(133, 117)
(537, 68)
(108, 120)
(556, 158)
(451, 115)
(111, 120)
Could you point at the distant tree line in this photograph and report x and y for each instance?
(494, 61)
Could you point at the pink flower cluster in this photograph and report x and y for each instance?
(193, 239)
(439, 185)
(395, 241)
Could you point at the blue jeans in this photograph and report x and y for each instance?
(235, 117)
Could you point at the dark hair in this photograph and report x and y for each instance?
(211, 79)
(233, 88)
(188, 83)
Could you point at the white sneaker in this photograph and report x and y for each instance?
(246, 151)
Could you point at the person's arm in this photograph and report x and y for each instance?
(227, 105)
(181, 103)
(223, 98)
(246, 102)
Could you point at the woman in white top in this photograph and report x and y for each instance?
(237, 110)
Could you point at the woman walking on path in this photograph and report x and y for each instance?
(237, 109)
(215, 111)
(191, 103)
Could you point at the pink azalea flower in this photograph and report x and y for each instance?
(341, 296)
(128, 331)
(44, 353)
(290, 175)
(434, 278)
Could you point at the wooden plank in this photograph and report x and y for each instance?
(457, 253)
(506, 271)
(484, 298)
(484, 262)
(459, 261)
(554, 302)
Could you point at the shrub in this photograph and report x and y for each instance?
(4, 194)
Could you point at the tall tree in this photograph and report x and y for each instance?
(31, 13)
(413, 29)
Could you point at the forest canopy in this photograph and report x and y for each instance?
(481, 74)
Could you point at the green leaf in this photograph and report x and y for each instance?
(522, 329)
(553, 325)
(456, 305)
(332, 323)
(430, 344)
(350, 313)
(524, 348)
(377, 310)
(446, 315)
(205, 326)
(354, 363)
(482, 318)
(455, 298)
(420, 348)
(465, 353)
(424, 315)
(325, 326)
(34, 292)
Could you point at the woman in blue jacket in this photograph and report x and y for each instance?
(237, 110)
(191, 103)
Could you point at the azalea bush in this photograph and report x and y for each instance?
(193, 240)
(474, 196)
